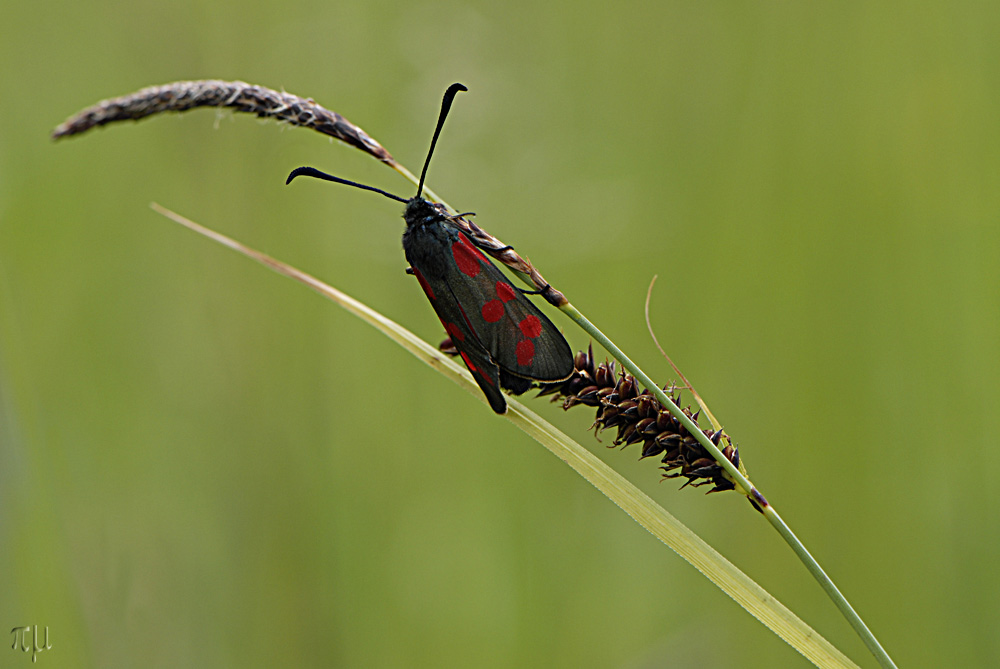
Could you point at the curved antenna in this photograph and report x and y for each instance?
(313, 172)
(449, 96)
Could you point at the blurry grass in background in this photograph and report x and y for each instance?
(203, 465)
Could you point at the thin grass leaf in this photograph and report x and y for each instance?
(665, 527)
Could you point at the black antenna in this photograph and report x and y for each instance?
(449, 96)
(313, 172)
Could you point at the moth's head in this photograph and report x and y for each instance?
(421, 212)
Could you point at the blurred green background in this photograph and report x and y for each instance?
(204, 464)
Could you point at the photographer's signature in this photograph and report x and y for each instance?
(23, 633)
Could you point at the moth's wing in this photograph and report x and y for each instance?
(519, 338)
(449, 310)
(515, 384)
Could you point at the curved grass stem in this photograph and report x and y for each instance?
(743, 485)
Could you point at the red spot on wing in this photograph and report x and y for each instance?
(454, 331)
(423, 283)
(492, 311)
(475, 370)
(468, 363)
(505, 291)
(530, 326)
(466, 257)
(475, 249)
(525, 352)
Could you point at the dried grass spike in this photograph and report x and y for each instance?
(240, 96)
(639, 418)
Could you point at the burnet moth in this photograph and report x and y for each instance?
(505, 341)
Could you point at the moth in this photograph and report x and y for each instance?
(503, 338)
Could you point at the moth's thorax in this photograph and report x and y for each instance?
(428, 237)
